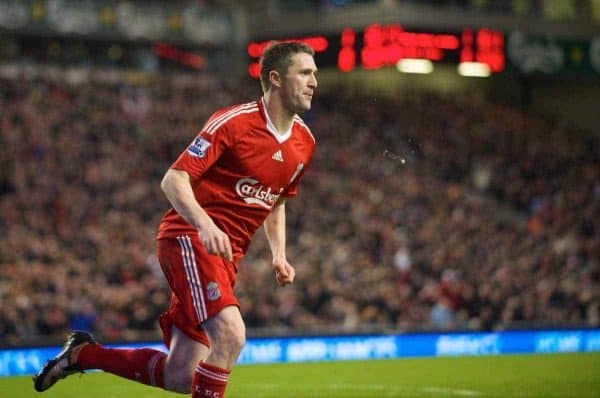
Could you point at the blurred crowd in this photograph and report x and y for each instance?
(420, 212)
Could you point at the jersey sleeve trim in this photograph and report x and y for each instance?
(217, 120)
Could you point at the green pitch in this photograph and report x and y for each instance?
(544, 376)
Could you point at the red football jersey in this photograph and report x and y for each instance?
(239, 167)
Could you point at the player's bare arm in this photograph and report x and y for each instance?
(275, 230)
(178, 190)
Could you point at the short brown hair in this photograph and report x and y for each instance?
(278, 56)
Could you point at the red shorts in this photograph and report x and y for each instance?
(202, 285)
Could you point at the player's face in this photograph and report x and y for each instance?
(299, 83)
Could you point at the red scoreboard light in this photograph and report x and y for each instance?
(485, 46)
(378, 46)
(346, 59)
(386, 45)
(172, 53)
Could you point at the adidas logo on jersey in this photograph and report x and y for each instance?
(277, 156)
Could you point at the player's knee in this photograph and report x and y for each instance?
(230, 340)
(227, 334)
(238, 340)
(234, 338)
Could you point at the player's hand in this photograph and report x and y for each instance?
(284, 272)
(215, 241)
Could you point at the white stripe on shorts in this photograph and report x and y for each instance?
(191, 273)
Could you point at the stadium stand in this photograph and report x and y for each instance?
(418, 213)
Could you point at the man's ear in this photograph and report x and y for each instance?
(275, 78)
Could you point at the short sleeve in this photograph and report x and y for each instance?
(204, 150)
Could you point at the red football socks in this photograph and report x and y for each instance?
(209, 381)
(144, 365)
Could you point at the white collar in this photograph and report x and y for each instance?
(272, 129)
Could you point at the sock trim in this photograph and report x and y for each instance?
(152, 367)
(214, 368)
(212, 375)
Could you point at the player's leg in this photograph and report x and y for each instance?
(227, 335)
(188, 343)
(210, 301)
(184, 354)
(203, 304)
(173, 372)
(148, 366)
(82, 352)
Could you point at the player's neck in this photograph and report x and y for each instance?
(280, 117)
